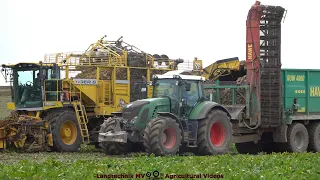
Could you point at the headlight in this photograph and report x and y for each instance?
(133, 120)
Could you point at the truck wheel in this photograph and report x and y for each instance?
(298, 139)
(314, 137)
(162, 136)
(65, 131)
(214, 133)
(249, 147)
(112, 148)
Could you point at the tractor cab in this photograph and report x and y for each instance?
(184, 91)
(27, 81)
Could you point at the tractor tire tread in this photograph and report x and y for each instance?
(152, 134)
(112, 148)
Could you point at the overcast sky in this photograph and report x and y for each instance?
(210, 30)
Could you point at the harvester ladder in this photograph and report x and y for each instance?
(107, 92)
(82, 121)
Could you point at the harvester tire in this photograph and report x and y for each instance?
(214, 133)
(162, 136)
(65, 131)
(314, 137)
(249, 147)
(112, 148)
(298, 138)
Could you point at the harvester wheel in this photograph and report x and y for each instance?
(298, 138)
(112, 148)
(65, 131)
(214, 133)
(314, 137)
(162, 136)
(249, 147)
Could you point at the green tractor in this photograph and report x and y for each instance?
(176, 119)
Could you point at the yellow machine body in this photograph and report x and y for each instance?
(107, 74)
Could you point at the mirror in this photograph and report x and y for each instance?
(188, 86)
(149, 83)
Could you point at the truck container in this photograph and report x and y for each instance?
(301, 89)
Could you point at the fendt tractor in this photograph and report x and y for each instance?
(176, 116)
(271, 109)
(54, 113)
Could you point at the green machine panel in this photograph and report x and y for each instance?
(303, 84)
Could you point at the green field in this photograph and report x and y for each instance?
(90, 165)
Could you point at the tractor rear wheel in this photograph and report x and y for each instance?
(162, 136)
(214, 133)
(65, 131)
(113, 148)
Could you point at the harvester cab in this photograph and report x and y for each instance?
(27, 81)
(176, 118)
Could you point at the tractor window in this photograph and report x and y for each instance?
(192, 95)
(165, 87)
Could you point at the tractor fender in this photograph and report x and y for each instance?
(168, 114)
(202, 110)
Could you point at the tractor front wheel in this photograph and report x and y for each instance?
(214, 133)
(65, 131)
(162, 136)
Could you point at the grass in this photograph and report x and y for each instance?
(89, 165)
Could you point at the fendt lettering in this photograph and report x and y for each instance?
(250, 51)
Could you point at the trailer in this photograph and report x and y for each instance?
(296, 130)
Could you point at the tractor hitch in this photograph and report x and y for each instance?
(118, 136)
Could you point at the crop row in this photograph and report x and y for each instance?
(91, 165)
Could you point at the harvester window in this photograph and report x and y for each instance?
(28, 94)
(49, 73)
(25, 77)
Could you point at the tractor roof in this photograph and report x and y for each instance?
(179, 74)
